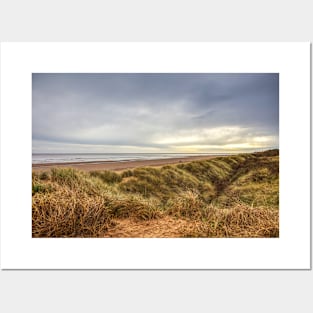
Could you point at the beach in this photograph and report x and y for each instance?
(119, 165)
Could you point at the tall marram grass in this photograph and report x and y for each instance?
(240, 221)
(235, 196)
(81, 205)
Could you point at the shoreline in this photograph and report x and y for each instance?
(119, 165)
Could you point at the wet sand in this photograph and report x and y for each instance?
(120, 166)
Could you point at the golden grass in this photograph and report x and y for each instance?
(234, 196)
(66, 213)
(240, 221)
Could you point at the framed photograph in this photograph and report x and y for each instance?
(155, 156)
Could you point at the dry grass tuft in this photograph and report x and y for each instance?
(239, 222)
(134, 206)
(66, 213)
(187, 204)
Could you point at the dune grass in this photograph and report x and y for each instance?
(234, 196)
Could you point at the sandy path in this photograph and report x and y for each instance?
(166, 227)
(119, 166)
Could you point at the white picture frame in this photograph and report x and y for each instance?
(20, 251)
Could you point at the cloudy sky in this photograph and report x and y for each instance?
(154, 112)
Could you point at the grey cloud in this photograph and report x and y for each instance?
(139, 109)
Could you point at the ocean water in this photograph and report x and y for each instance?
(109, 157)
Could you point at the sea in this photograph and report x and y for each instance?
(108, 157)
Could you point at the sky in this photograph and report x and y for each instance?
(154, 112)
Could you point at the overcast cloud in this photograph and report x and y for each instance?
(154, 112)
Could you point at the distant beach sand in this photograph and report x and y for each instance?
(120, 166)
